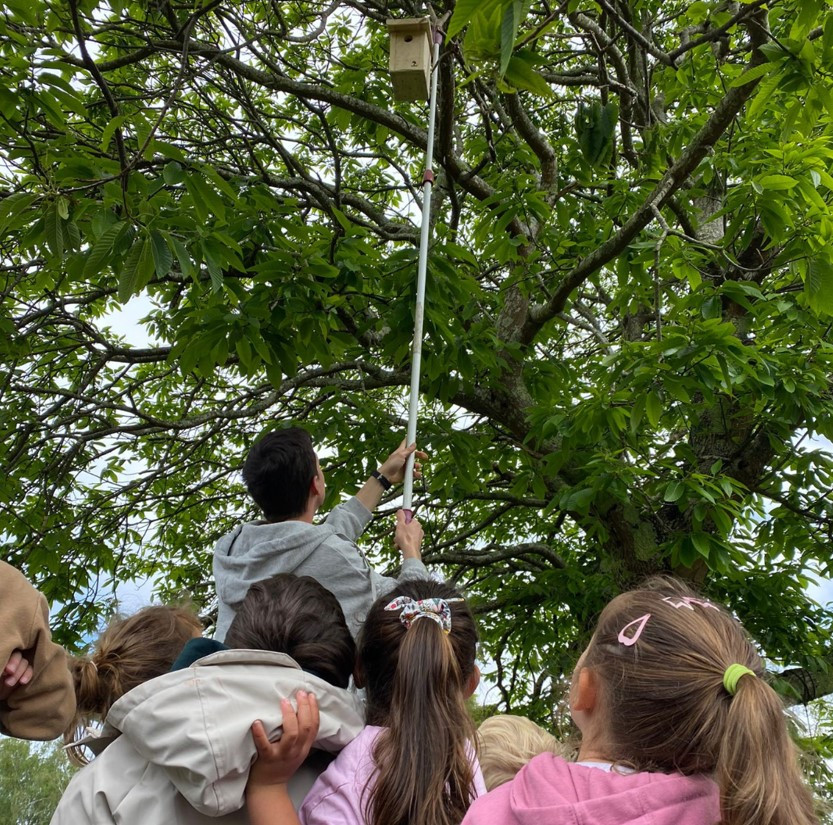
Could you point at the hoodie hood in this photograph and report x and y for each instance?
(327, 552)
(242, 556)
(550, 791)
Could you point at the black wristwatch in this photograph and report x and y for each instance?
(381, 479)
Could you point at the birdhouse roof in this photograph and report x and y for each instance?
(410, 24)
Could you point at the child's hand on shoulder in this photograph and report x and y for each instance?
(277, 762)
(16, 672)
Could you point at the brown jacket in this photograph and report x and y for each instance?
(43, 708)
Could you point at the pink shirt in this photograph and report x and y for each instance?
(338, 795)
(550, 791)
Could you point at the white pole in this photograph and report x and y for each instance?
(422, 269)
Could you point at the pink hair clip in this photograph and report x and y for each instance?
(689, 602)
(640, 623)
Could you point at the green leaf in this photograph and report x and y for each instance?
(637, 413)
(724, 368)
(653, 408)
(753, 74)
(777, 183)
(101, 250)
(54, 231)
(170, 150)
(220, 183)
(213, 267)
(674, 491)
(137, 269)
(788, 127)
(244, 352)
(109, 130)
(482, 40)
(204, 198)
(345, 222)
(578, 500)
(595, 129)
(52, 109)
(827, 37)
(805, 19)
(819, 284)
(143, 128)
(72, 235)
(826, 98)
(172, 173)
(464, 10)
(25, 9)
(13, 208)
(698, 11)
(521, 75)
(186, 265)
(162, 257)
(9, 103)
(763, 94)
(702, 543)
(508, 33)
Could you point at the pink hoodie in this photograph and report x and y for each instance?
(550, 791)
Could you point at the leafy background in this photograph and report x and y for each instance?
(628, 359)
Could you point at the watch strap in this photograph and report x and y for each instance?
(381, 479)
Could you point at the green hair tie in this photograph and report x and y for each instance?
(732, 675)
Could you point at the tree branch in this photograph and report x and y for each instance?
(671, 181)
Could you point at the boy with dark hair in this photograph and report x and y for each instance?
(283, 475)
(277, 473)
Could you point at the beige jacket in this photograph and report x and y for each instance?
(185, 747)
(43, 708)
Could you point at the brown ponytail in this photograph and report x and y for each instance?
(416, 688)
(666, 707)
(757, 765)
(129, 652)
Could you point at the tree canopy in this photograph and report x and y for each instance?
(628, 362)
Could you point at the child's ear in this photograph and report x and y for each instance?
(472, 682)
(584, 694)
(358, 675)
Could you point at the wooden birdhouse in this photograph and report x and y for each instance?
(410, 57)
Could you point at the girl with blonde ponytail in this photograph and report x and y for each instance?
(415, 762)
(678, 726)
(128, 653)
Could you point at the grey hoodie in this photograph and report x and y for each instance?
(327, 552)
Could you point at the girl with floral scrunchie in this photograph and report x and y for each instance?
(414, 763)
